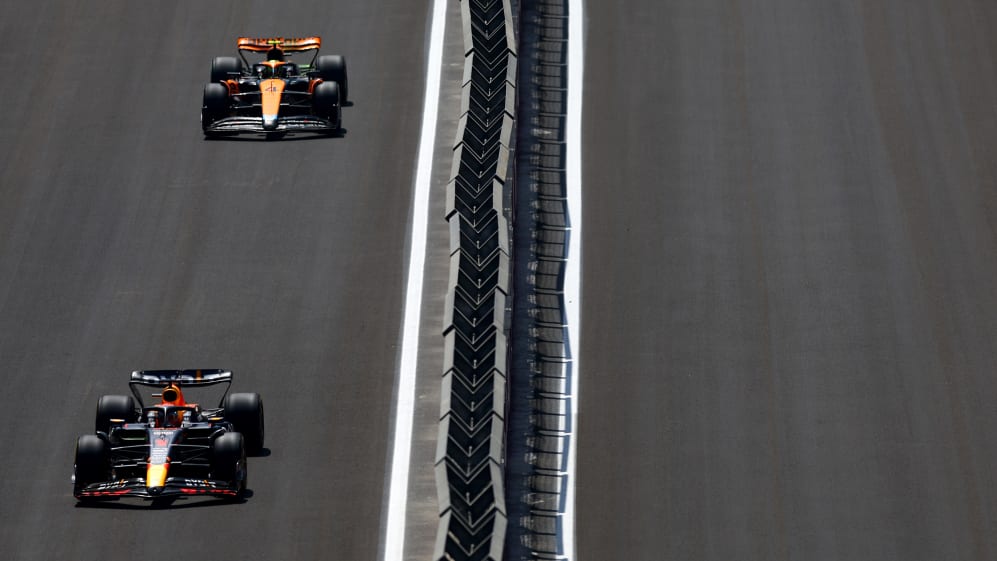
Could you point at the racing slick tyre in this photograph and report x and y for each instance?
(114, 407)
(223, 67)
(333, 68)
(91, 465)
(245, 412)
(215, 104)
(326, 103)
(228, 459)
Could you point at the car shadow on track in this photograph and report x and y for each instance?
(167, 503)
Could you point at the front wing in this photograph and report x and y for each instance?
(175, 487)
(308, 123)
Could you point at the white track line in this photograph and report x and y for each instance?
(572, 273)
(394, 540)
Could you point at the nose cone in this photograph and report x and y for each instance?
(155, 477)
(155, 490)
(270, 94)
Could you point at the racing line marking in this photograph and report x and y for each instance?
(394, 541)
(572, 271)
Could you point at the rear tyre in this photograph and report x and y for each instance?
(114, 407)
(91, 465)
(245, 412)
(215, 104)
(333, 68)
(223, 68)
(228, 459)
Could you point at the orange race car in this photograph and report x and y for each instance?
(265, 91)
(173, 447)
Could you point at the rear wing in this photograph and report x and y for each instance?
(200, 377)
(263, 44)
(182, 378)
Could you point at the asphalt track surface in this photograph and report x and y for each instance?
(127, 242)
(789, 281)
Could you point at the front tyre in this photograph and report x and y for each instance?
(326, 103)
(91, 464)
(216, 104)
(228, 460)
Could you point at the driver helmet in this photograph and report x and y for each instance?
(174, 417)
(153, 419)
(273, 69)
